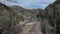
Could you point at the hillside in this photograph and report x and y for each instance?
(54, 10)
(52, 13)
(50, 18)
(8, 20)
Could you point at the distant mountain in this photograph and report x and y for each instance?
(21, 9)
(27, 12)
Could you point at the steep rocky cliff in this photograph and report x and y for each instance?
(51, 18)
(53, 15)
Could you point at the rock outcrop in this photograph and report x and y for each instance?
(53, 16)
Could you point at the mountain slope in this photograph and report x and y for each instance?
(8, 19)
(53, 15)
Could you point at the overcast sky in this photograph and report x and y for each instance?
(30, 3)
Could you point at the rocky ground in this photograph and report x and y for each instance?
(32, 27)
